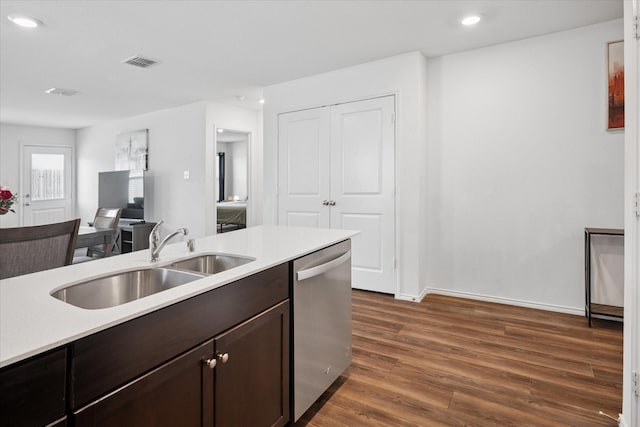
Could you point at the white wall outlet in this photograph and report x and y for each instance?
(186, 174)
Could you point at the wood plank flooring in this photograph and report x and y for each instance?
(456, 362)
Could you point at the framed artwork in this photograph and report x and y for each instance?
(132, 150)
(615, 66)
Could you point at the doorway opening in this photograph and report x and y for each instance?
(232, 174)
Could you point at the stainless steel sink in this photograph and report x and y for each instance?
(211, 263)
(121, 288)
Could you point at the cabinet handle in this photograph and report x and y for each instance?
(211, 363)
(332, 202)
(224, 357)
(325, 203)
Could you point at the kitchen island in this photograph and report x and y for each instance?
(114, 356)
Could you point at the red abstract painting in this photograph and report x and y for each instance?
(616, 85)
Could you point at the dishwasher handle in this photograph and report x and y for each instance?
(323, 268)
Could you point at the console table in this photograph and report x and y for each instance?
(600, 309)
(135, 236)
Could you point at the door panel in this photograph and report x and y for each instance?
(361, 151)
(303, 177)
(303, 219)
(362, 186)
(369, 257)
(46, 184)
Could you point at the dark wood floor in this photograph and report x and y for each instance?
(457, 362)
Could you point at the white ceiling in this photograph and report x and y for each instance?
(218, 50)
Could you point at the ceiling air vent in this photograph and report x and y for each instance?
(140, 61)
(60, 91)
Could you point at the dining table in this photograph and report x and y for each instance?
(92, 236)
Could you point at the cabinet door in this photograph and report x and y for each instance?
(178, 393)
(32, 392)
(252, 385)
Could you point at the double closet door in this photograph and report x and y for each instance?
(336, 170)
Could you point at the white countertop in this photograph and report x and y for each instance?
(32, 321)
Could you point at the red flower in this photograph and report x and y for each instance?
(7, 199)
(5, 194)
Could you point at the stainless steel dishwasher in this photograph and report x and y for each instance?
(322, 322)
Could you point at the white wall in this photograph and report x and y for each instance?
(238, 152)
(180, 139)
(519, 162)
(400, 75)
(176, 144)
(12, 137)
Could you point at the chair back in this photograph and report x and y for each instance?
(29, 249)
(107, 217)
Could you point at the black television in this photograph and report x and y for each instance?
(122, 189)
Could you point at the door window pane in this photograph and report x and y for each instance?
(47, 176)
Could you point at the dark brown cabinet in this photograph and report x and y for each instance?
(246, 385)
(252, 374)
(32, 392)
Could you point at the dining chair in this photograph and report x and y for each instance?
(105, 218)
(29, 249)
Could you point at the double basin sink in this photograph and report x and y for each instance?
(120, 288)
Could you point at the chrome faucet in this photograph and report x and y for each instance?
(154, 238)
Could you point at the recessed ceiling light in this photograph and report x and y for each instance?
(220, 130)
(25, 21)
(60, 91)
(261, 100)
(470, 20)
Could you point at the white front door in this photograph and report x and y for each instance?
(362, 188)
(303, 172)
(46, 185)
(336, 169)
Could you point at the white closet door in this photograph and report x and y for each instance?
(362, 186)
(303, 172)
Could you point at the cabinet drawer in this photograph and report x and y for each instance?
(32, 392)
(111, 358)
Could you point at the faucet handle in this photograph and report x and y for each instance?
(156, 227)
(154, 236)
(191, 244)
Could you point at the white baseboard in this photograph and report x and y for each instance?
(412, 298)
(621, 422)
(508, 301)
